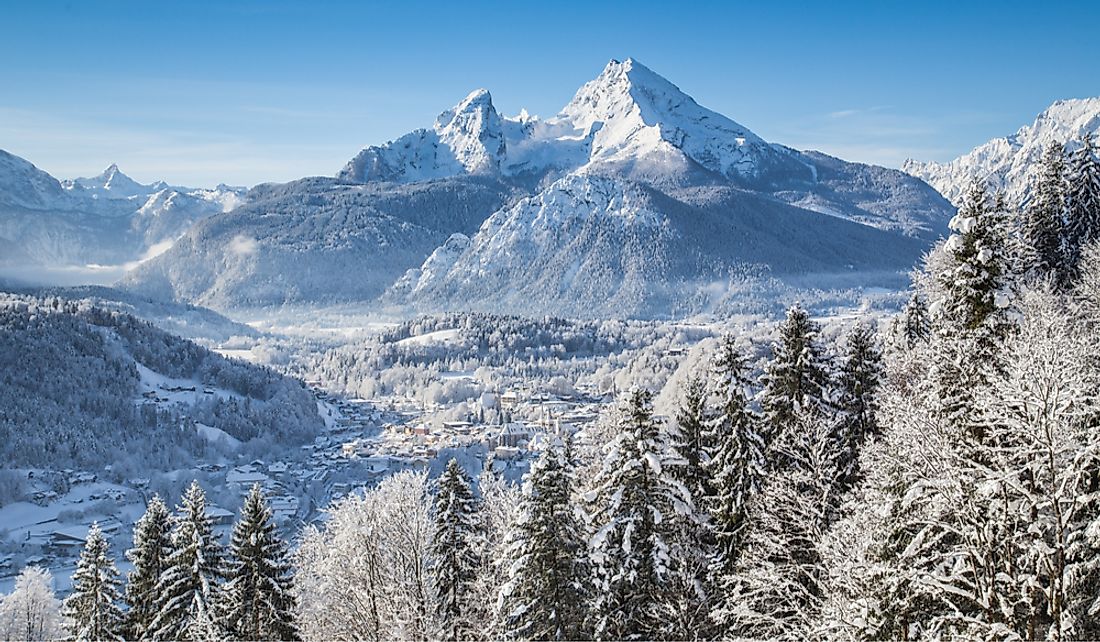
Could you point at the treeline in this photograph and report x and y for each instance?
(183, 585)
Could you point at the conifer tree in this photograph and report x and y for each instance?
(695, 441)
(858, 382)
(915, 326)
(975, 280)
(797, 377)
(92, 609)
(777, 587)
(1042, 230)
(1082, 204)
(971, 313)
(544, 598)
(639, 505)
(259, 601)
(455, 548)
(736, 466)
(189, 589)
(152, 548)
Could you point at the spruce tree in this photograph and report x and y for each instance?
(454, 549)
(1082, 204)
(1042, 230)
(92, 609)
(544, 598)
(259, 601)
(858, 381)
(736, 467)
(189, 590)
(797, 377)
(152, 548)
(971, 316)
(638, 516)
(695, 441)
(915, 323)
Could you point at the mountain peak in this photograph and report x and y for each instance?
(113, 182)
(474, 132)
(632, 111)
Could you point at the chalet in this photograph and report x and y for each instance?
(66, 541)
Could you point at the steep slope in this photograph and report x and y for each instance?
(1007, 163)
(592, 246)
(468, 139)
(317, 239)
(82, 385)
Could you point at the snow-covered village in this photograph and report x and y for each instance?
(478, 322)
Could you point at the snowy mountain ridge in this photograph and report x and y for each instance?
(105, 219)
(634, 200)
(627, 115)
(1007, 163)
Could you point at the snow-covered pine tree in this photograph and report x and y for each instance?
(92, 609)
(915, 325)
(797, 377)
(497, 512)
(695, 441)
(857, 400)
(189, 590)
(455, 545)
(545, 595)
(152, 548)
(737, 463)
(638, 503)
(972, 291)
(778, 587)
(1082, 203)
(259, 603)
(1044, 217)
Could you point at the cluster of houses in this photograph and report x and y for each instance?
(530, 418)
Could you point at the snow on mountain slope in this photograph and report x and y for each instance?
(106, 220)
(316, 239)
(468, 139)
(629, 201)
(636, 114)
(594, 246)
(1007, 163)
(628, 118)
(112, 183)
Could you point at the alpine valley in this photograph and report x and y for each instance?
(626, 372)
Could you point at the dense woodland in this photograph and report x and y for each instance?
(938, 478)
(69, 390)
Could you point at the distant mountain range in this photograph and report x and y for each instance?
(106, 220)
(633, 201)
(1009, 163)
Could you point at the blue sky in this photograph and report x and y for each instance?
(245, 92)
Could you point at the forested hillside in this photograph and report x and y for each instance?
(73, 377)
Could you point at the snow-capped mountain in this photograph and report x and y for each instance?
(628, 118)
(1007, 163)
(627, 202)
(112, 183)
(106, 219)
(596, 246)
